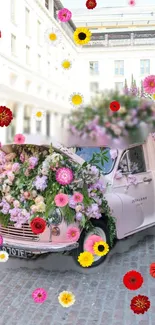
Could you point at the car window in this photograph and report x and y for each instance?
(87, 152)
(133, 161)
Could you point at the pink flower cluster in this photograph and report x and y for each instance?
(62, 199)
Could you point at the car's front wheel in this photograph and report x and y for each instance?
(100, 229)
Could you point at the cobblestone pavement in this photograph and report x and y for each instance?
(101, 298)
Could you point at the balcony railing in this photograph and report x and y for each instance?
(122, 39)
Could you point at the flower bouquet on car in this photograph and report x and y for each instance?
(41, 186)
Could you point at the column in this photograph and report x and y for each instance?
(33, 122)
(19, 118)
(43, 126)
(3, 138)
(53, 126)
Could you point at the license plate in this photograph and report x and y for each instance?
(15, 252)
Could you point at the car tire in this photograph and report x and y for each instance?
(101, 228)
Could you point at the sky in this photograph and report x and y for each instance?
(74, 4)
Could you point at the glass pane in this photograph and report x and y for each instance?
(87, 152)
(136, 160)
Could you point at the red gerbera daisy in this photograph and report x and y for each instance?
(5, 116)
(140, 304)
(38, 225)
(91, 4)
(133, 280)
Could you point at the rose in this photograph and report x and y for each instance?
(16, 204)
(39, 199)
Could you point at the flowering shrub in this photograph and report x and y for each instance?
(37, 184)
(98, 120)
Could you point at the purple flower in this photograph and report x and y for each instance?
(40, 183)
(94, 170)
(93, 211)
(19, 216)
(15, 167)
(79, 216)
(72, 204)
(5, 206)
(2, 157)
(33, 161)
(97, 186)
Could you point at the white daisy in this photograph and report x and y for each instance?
(53, 36)
(4, 256)
(39, 115)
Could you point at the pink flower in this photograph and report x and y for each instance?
(64, 176)
(10, 176)
(34, 208)
(149, 84)
(15, 167)
(132, 2)
(132, 179)
(16, 204)
(77, 197)
(73, 233)
(64, 15)
(118, 174)
(22, 157)
(1, 240)
(88, 246)
(39, 295)
(19, 139)
(61, 200)
(26, 195)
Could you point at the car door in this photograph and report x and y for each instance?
(136, 190)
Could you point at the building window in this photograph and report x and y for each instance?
(13, 11)
(119, 68)
(27, 118)
(47, 4)
(48, 124)
(119, 86)
(27, 55)
(38, 32)
(144, 67)
(94, 67)
(27, 22)
(13, 44)
(94, 87)
(38, 126)
(39, 61)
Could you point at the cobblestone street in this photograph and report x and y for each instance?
(101, 298)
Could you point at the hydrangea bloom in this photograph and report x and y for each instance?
(40, 183)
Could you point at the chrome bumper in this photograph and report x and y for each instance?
(42, 248)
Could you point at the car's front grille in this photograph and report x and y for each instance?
(24, 233)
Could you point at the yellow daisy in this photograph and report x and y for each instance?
(4, 256)
(76, 99)
(101, 248)
(39, 115)
(82, 35)
(153, 96)
(86, 259)
(53, 36)
(66, 64)
(66, 299)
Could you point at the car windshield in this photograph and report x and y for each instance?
(87, 152)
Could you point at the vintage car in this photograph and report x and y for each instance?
(127, 176)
